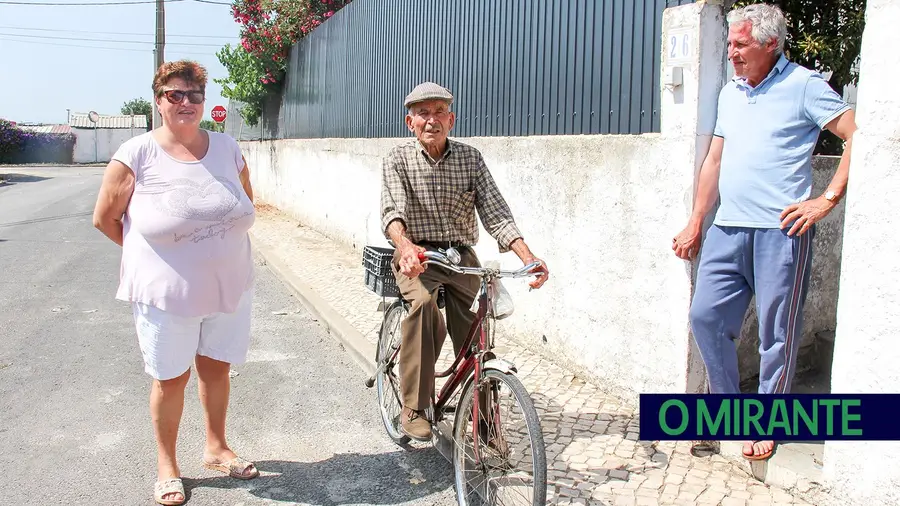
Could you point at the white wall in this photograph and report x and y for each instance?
(867, 352)
(688, 119)
(601, 210)
(107, 141)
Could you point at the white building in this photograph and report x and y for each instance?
(99, 136)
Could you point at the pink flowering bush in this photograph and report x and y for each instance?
(269, 28)
(25, 146)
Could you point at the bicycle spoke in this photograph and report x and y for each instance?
(501, 470)
(387, 380)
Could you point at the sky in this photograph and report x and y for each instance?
(54, 58)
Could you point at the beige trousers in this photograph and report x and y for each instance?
(424, 330)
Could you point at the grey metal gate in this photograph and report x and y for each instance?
(516, 67)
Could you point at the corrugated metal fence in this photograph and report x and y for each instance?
(516, 67)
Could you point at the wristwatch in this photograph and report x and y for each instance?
(831, 196)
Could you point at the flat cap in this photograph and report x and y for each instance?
(427, 91)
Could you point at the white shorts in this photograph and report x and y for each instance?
(169, 343)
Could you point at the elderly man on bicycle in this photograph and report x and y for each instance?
(431, 188)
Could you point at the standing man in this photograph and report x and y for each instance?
(431, 188)
(760, 164)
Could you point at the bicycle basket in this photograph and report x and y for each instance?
(379, 277)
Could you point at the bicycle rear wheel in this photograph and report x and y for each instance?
(388, 381)
(511, 463)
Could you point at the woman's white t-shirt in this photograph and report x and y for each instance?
(186, 248)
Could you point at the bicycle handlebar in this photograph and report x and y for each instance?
(433, 257)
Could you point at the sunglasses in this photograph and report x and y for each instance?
(177, 96)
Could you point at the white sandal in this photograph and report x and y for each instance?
(236, 468)
(167, 487)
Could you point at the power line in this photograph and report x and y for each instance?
(83, 4)
(136, 50)
(113, 33)
(69, 4)
(108, 40)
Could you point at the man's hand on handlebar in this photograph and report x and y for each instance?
(541, 271)
(411, 260)
(524, 253)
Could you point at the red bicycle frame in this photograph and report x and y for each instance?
(469, 360)
(466, 362)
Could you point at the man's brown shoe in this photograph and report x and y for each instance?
(414, 425)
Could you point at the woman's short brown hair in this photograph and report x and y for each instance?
(190, 71)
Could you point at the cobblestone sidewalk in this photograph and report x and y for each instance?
(593, 452)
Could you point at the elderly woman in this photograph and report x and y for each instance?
(178, 201)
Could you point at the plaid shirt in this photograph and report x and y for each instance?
(436, 200)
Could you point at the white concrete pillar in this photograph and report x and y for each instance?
(867, 340)
(693, 42)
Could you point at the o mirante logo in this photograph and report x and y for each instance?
(795, 417)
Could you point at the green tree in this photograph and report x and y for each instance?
(824, 35)
(139, 106)
(269, 28)
(208, 124)
(246, 81)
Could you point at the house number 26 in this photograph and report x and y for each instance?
(680, 46)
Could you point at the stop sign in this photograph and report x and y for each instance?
(218, 114)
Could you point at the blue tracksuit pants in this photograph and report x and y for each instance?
(735, 264)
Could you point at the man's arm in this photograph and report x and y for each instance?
(687, 243)
(495, 214)
(393, 216)
(824, 107)
(393, 200)
(844, 126)
(498, 221)
(707, 183)
(396, 232)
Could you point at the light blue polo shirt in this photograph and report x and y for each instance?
(770, 133)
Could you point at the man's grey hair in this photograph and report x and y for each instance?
(767, 22)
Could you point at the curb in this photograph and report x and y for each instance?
(360, 349)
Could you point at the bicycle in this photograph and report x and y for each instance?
(474, 371)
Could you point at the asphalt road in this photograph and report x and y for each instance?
(75, 426)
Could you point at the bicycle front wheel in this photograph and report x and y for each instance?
(388, 381)
(505, 461)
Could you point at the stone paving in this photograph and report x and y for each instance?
(594, 456)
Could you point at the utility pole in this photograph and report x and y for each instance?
(159, 52)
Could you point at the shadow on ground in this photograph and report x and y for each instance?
(348, 478)
(592, 446)
(32, 221)
(14, 178)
